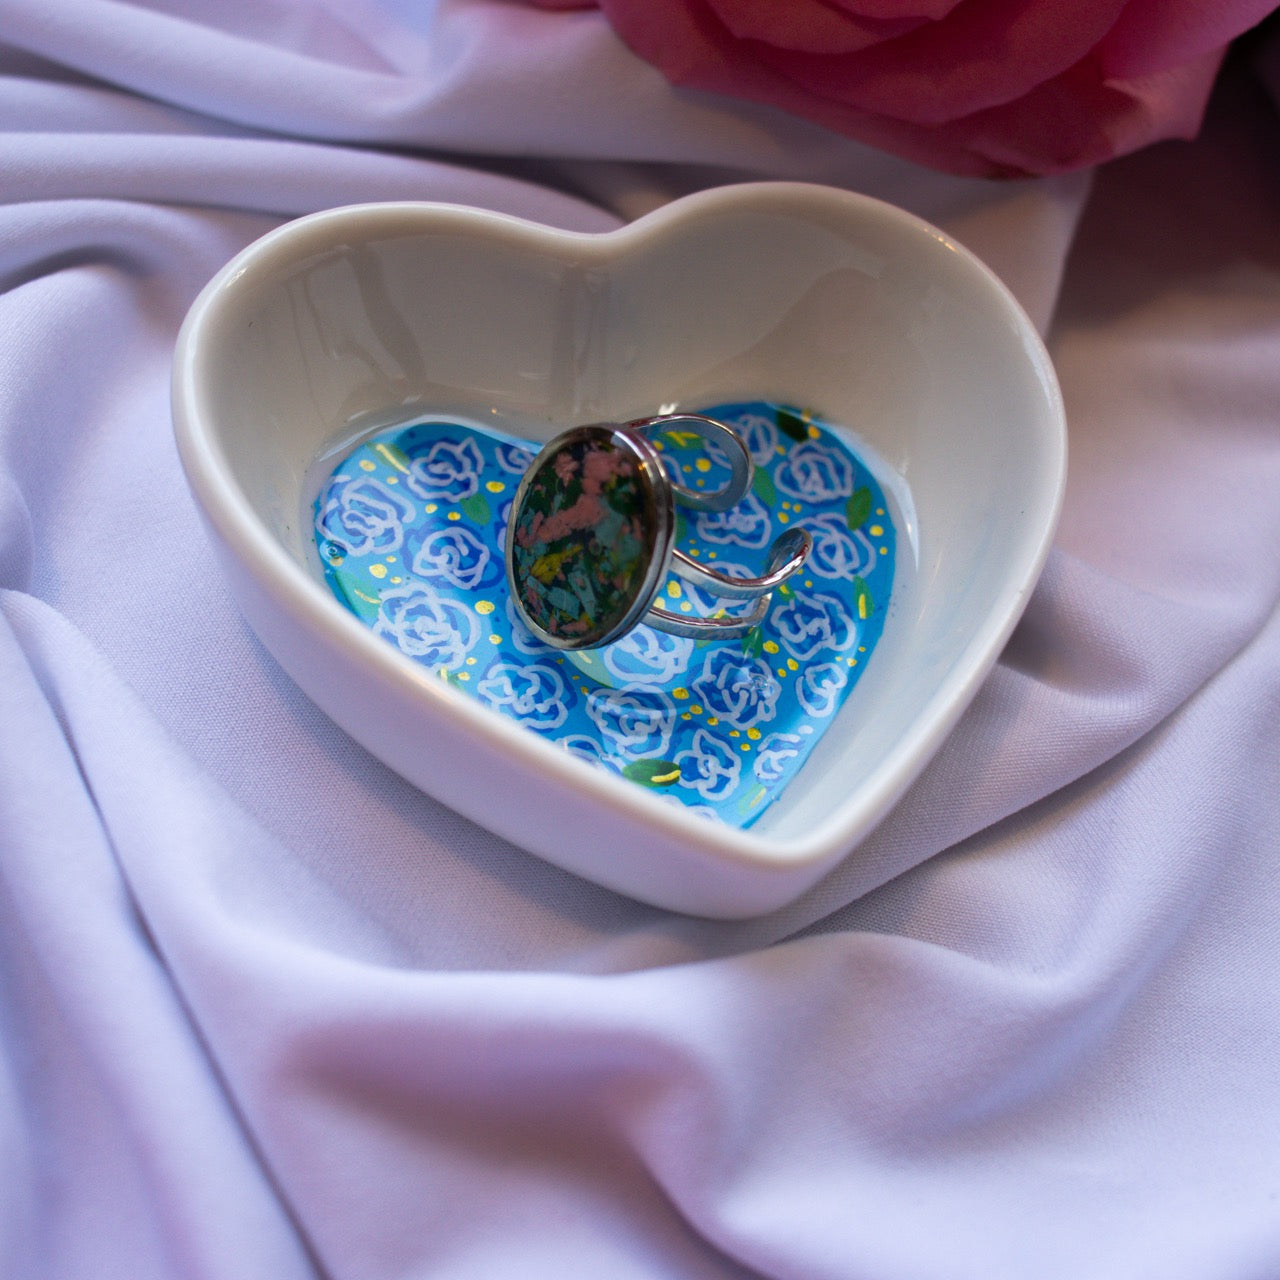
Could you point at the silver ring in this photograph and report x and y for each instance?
(590, 539)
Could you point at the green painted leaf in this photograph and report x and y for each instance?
(753, 643)
(476, 508)
(791, 424)
(653, 773)
(762, 483)
(364, 605)
(859, 508)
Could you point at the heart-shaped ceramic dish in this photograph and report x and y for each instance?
(793, 293)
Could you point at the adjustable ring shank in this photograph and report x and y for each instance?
(736, 453)
(590, 539)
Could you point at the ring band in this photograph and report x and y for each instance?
(591, 537)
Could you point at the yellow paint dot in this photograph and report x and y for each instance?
(746, 746)
(703, 464)
(471, 662)
(693, 551)
(713, 719)
(684, 715)
(793, 664)
(875, 531)
(783, 517)
(464, 675)
(782, 671)
(455, 515)
(733, 733)
(378, 570)
(884, 551)
(697, 710)
(711, 555)
(753, 734)
(853, 662)
(680, 693)
(808, 582)
(879, 511)
(814, 433)
(397, 578)
(484, 606)
(673, 590)
(366, 465)
(862, 648)
(495, 638)
(431, 508)
(336, 559)
(495, 486)
(393, 479)
(771, 646)
(685, 607)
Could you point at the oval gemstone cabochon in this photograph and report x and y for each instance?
(410, 530)
(584, 537)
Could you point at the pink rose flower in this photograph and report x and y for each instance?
(986, 87)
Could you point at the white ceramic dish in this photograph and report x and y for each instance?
(365, 316)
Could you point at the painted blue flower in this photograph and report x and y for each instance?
(809, 624)
(456, 556)
(634, 721)
(587, 748)
(759, 435)
(838, 552)
(514, 458)
(522, 638)
(424, 624)
(815, 472)
(534, 693)
(740, 690)
(745, 525)
(704, 601)
(362, 516)
(710, 766)
(774, 756)
(647, 656)
(756, 431)
(818, 688)
(448, 472)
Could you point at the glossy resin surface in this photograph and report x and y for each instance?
(411, 528)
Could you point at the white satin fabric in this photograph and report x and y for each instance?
(267, 1011)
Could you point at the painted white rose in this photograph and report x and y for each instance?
(815, 472)
(449, 471)
(819, 686)
(838, 551)
(740, 690)
(425, 625)
(362, 516)
(635, 722)
(775, 755)
(536, 694)
(456, 556)
(811, 624)
(647, 656)
(710, 766)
